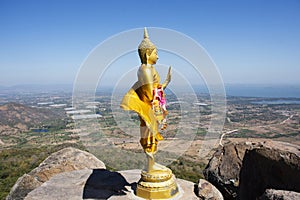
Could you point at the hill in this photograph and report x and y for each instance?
(16, 118)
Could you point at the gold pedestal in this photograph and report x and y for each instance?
(157, 184)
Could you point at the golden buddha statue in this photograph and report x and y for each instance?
(157, 180)
(140, 99)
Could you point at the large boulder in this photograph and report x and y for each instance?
(65, 160)
(274, 166)
(245, 170)
(224, 167)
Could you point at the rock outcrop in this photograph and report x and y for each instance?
(99, 184)
(65, 160)
(272, 194)
(224, 168)
(248, 170)
(207, 191)
(245, 170)
(74, 174)
(271, 167)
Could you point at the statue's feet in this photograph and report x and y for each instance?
(157, 167)
(152, 165)
(150, 154)
(160, 167)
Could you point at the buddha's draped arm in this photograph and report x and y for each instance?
(145, 78)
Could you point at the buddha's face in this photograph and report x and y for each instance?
(152, 58)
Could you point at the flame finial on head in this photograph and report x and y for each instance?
(146, 33)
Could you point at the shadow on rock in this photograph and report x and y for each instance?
(103, 184)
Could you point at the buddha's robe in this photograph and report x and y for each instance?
(139, 99)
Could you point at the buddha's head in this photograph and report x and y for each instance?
(147, 50)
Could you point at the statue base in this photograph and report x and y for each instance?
(157, 184)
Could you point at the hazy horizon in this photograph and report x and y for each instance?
(243, 90)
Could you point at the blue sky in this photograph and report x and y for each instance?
(251, 42)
